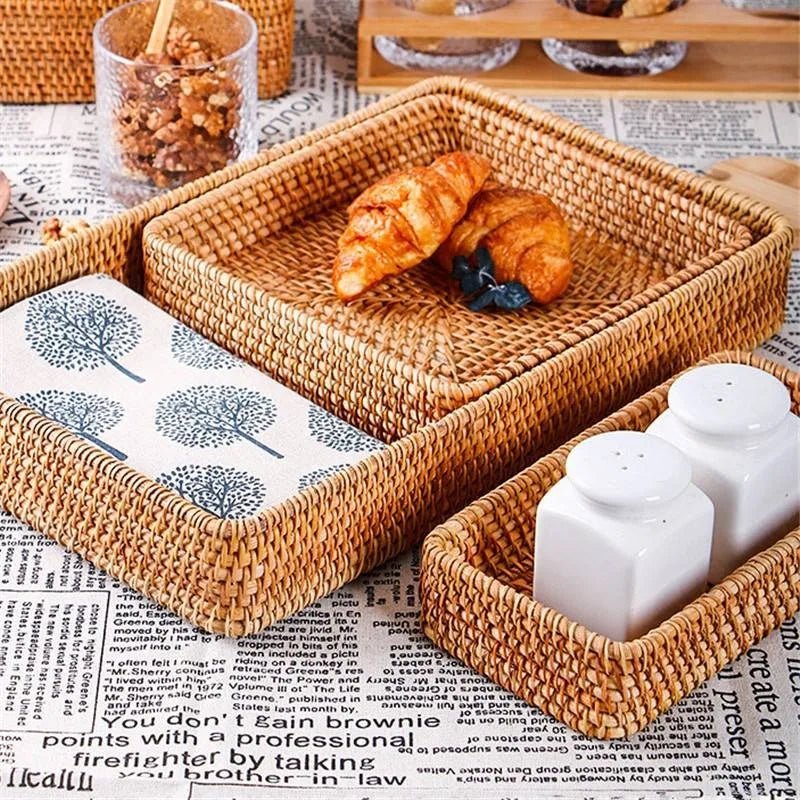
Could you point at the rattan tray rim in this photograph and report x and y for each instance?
(170, 501)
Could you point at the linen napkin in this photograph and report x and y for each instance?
(99, 359)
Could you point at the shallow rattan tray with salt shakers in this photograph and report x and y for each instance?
(487, 600)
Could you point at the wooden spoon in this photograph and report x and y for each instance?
(5, 193)
(158, 36)
(774, 181)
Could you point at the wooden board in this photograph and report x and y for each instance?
(774, 181)
(732, 54)
(709, 71)
(698, 20)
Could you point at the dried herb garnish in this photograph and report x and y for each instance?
(479, 285)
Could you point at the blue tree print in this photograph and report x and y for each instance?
(210, 416)
(223, 491)
(88, 415)
(81, 330)
(194, 350)
(319, 475)
(335, 433)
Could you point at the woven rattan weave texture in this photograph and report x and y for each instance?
(476, 603)
(117, 518)
(46, 48)
(669, 267)
(236, 577)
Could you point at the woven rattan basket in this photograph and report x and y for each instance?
(670, 267)
(118, 519)
(476, 603)
(46, 48)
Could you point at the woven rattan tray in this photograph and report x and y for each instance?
(670, 267)
(46, 48)
(227, 577)
(476, 603)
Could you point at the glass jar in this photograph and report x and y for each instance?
(610, 57)
(460, 54)
(167, 118)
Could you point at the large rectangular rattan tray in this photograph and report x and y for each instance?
(670, 267)
(232, 577)
(476, 587)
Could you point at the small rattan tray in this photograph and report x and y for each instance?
(670, 267)
(46, 48)
(476, 582)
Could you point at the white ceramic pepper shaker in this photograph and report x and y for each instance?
(734, 424)
(623, 541)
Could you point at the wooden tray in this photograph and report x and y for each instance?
(476, 586)
(733, 53)
(669, 267)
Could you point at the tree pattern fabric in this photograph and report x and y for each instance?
(88, 415)
(222, 491)
(335, 433)
(96, 358)
(194, 350)
(210, 416)
(318, 475)
(81, 330)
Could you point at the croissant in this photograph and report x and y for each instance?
(401, 220)
(526, 236)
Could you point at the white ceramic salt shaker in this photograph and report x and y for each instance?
(734, 424)
(623, 541)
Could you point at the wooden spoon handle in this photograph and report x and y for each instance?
(158, 36)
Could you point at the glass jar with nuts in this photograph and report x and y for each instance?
(176, 93)
(621, 57)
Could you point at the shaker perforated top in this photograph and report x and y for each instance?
(628, 469)
(729, 400)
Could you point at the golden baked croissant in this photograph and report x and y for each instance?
(525, 234)
(401, 220)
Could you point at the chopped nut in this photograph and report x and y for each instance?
(219, 99)
(162, 79)
(176, 125)
(214, 123)
(54, 230)
(157, 118)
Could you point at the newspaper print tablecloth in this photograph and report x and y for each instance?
(106, 695)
